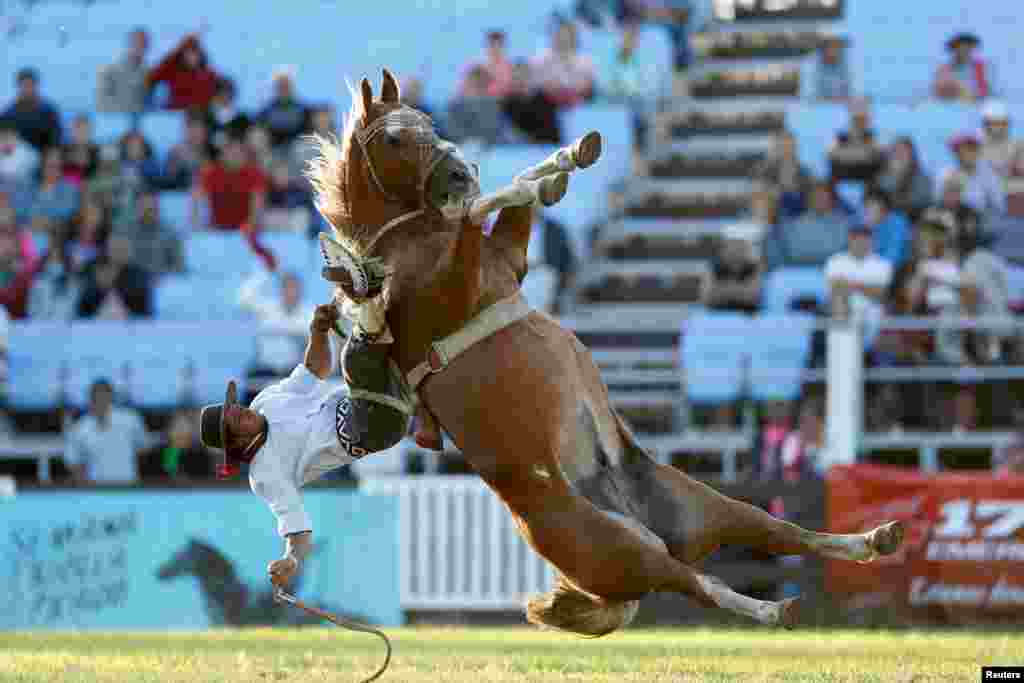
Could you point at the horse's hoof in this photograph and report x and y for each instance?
(789, 613)
(886, 539)
(587, 150)
(553, 188)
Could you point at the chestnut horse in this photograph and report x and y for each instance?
(520, 395)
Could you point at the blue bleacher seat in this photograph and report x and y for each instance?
(1015, 284)
(108, 128)
(783, 286)
(779, 353)
(162, 130)
(36, 350)
(199, 297)
(176, 210)
(293, 251)
(714, 352)
(217, 254)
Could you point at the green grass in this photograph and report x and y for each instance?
(461, 655)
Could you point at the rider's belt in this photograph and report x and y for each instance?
(487, 322)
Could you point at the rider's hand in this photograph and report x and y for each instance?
(282, 571)
(324, 318)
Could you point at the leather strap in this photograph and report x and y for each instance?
(487, 322)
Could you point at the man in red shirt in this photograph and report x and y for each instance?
(233, 189)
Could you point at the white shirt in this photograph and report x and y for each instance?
(302, 444)
(19, 164)
(109, 454)
(942, 292)
(870, 271)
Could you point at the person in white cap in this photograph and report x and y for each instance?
(997, 148)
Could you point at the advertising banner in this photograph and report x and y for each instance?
(964, 548)
(187, 559)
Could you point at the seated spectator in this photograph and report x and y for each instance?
(55, 199)
(998, 149)
(188, 156)
(801, 455)
(225, 119)
(115, 288)
(190, 80)
(937, 279)
(530, 110)
(784, 173)
(156, 247)
(551, 263)
(564, 75)
(284, 321)
(983, 190)
(259, 147)
(285, 116)
(761, 218)
(82, 154)
(1015, 186)
(27, 252)
(858, 280)
(18, 160)
(103, 446)
(87, 237)
(855, 153)
(139, 166)
(632, 82)
(179, 455)
(233, 189)
(897, 347)
(966, 220)
(814, 237)
(497, 65)
(904, 180)
(289, 206)
(832, 73)
(110, 189)
(737, 277)
(56, 289)
(121, 87)
(965, 77)
(473, 114)
(891, 229)
(16, 276)
(1010, 460)
(984, 291)
(36, 119)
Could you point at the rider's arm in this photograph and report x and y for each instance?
(298, 545)
(319, 355)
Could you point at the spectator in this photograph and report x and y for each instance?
(233, 189)
(893, 238)
(965, 219)
(551, 263)
(801, 454)
(1010, 462)
(289, 206)
(965, 77)
(677, 16)
(984, 291)
(88, 236)
(832, 75)
(998, 149)
(285, 116)
(55, 199)
(761, 218)
(855, 153)
(737, 276)
(814, 237)
(81, 155)
(787, 177)
(121, 86)
(27, 252)
(937, 279)
(16, 276)
(259, 146)
(18, 160)
(139, 167)
(225, 119)
(564, 75)
(186, 71)
(179, 455)
(903, 179)
(156, 247)
(322, 123)
(473, 114)
(983, 189)
(115, 288)
(530, 110)
(187, 157)
(858, 280)
(35, 119)
(897, 347)
(631, 82)
(56, 289)
(497, 66)
(284, 322)
(103, 446)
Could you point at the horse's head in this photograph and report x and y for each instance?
(390, 166)
(193, 558)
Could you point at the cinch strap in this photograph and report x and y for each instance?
(487, 322)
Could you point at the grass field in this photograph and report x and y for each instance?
(461, 655)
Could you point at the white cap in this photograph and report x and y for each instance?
(995, 111)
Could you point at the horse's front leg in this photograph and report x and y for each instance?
(580, 154)
(546, 191)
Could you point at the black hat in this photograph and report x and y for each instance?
(213, 433)
(963, 37)
(27, 73)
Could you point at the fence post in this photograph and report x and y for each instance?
(845, 390)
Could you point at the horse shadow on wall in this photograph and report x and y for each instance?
(229, 601)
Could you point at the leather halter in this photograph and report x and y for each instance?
(406, 118)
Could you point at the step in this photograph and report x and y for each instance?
(661, 238)
(664, 321)
(707, 67)
(600, 269)
(682, 125)
(717, 147)
(710, 89)
(689, 186)
(661, 228)
(732, 105)
(752, 44)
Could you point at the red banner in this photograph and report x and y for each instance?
(964, 547)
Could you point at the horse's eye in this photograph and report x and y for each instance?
(393, 139)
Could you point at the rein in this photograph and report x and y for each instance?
(281, 596)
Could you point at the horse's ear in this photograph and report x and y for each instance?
(390, 92)
(366, 91)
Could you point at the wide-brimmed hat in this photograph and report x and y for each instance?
(213, 432)
(964, 37)
(937, 220)
(964, 138)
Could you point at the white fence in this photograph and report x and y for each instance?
(459, 547)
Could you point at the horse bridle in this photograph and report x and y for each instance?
(427, 138)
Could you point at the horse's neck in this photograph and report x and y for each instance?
(221, 588)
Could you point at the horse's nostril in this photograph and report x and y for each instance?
(460, 177)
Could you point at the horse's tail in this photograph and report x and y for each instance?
(567, 608)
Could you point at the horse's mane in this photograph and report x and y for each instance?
(328, 173)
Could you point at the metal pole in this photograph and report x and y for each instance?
(845, 390)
